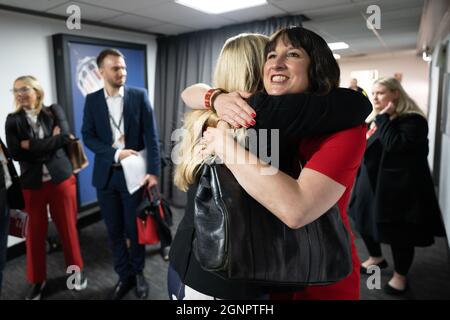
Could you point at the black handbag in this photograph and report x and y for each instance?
(237, 238)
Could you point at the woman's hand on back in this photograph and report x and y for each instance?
(232, 108)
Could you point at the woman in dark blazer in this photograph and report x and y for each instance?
(393, 200)
(10, 198)
(36, 136)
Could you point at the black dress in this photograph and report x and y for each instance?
(296, 116)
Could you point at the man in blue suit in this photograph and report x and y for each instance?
(118, 122)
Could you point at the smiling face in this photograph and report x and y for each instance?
(26, 97)
(286, 70)
(382, 96)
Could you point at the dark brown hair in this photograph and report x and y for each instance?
(107, 52)
(323, 71)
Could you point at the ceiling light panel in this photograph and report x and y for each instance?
(220, 6)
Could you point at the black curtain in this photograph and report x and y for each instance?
(187, 59)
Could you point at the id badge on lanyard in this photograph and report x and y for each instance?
(118, 143)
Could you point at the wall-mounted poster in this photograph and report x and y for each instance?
(77, 75)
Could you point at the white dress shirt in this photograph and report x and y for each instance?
(115, 109)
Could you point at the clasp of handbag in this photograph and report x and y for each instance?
(150, 203)
(153, 196)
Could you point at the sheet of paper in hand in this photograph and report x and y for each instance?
(134, 170)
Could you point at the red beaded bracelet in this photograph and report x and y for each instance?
(208, 98)
(210, 95)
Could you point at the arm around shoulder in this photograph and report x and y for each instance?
(300, 115)
(193, 96)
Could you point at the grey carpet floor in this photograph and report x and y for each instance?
(429, 275)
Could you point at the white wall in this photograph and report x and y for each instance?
(444, 184)
(433, 115)
(444, 179)
(26, 48)
(414, 69)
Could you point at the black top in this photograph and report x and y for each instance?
(296, 116)
(48, 151)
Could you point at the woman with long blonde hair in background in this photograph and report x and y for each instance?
(393, 200)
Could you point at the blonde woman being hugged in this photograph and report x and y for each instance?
(186, 279)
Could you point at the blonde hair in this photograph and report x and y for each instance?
(36, 86)
(404, 104)
(239, 68)
(240, 63)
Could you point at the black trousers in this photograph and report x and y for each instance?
(118, 209)
(403, 256)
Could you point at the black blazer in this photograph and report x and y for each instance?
(48, 151)
(398, 176)
(14, 193)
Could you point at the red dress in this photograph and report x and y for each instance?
(337, 156)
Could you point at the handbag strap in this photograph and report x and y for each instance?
(215, 177)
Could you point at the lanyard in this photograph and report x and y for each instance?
(117, 126)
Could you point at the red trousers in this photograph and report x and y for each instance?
(62, 200)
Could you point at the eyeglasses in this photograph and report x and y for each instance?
(21, 90)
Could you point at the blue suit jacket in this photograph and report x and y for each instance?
(140, 132)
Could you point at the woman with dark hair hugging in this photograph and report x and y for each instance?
(302, 99)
